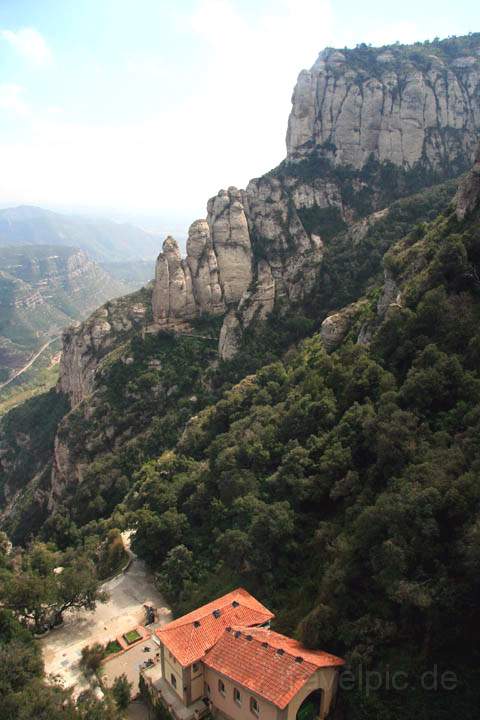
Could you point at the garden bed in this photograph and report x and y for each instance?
(132, 637)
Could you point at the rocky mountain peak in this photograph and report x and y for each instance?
(367, 127)
(398, 104)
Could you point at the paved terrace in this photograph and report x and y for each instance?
(129, 592)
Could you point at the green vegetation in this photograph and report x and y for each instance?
(343, 489)
(132, 636)
(111, 555)
(39, 584)
(112, 647)
(325, 221)
(122, 692)
(91, 658)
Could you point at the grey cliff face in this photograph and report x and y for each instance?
(251, 252)
(84, 344)
(468, 195)
(387, 104)
(416, 108)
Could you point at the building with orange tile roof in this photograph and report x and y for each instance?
(224, 658)
(189, 637)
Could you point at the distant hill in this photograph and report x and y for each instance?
(44, 288)
(104, 240)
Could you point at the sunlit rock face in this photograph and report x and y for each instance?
(251, 251)
(416, 109)
(401, 105)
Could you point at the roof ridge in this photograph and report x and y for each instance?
(251, 631)
(203, 611)
(292, 647)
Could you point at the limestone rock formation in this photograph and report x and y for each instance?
(468, 196)
(85, 344)
(412, 113)
(401, 105)
(231, 243)
(251, 252)
(172, 297)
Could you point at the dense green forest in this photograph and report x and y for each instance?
(342, 489)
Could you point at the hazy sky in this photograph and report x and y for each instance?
(154, 105)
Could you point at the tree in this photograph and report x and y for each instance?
(78, 587)
(41, 584)
(91, 658)
(122, 691)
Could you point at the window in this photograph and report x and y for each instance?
(237, 696)
(221, 687)
(254, 706)
(206, 689)
(173, 680)
(195, 668)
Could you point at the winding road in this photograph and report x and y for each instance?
(29, 364)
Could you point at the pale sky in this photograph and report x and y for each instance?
(151, 106)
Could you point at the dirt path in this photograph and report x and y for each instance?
(29, 364)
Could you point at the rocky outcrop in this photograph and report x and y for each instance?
(335, 327)
(468, 195)
(250, 252)
(217, 269)
(389, 296)
(404, 105)
(414, 109)
(85, 344)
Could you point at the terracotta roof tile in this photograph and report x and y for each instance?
(189, 637)
(253, 658)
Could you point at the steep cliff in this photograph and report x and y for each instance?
(403, 105)
(250, 252)
(468, 196)
(266, 266)
(366, 127)
(85, 344)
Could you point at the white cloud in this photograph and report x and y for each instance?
(29, 43)
(227, 127)
(222, 128)
(12, 99)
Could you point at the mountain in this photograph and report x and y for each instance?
(367, 126)
(43, 288)
(102, 239)
(293, 407)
